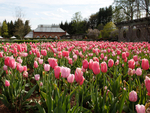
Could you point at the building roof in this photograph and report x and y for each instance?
(48, 28)
(29, 35)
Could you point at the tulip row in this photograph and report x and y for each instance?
(77, 76)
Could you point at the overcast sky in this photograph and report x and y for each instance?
(49, 11)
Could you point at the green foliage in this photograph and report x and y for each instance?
(4, 30)
(108, 28)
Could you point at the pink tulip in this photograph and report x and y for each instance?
(90, 64)
(70, 61)
(52, 62)
(43, 52)
(110, 63)
(78, 75)
(145, 64)
(133, 96)
(25, 74)
(57, 71)
(85, 64)
(70, 78)
(96, 68)
(65, 72)
(82, 81)
(7, 84)
(65, 53)
(102, 55)
(140, 108)
(1, 54)
(12, 63)
(46, 67)
(147, 83)
(5, 49)
(6, 61)
(35, 64)
(37, 77)
(38, 54)
(131, 64)
(4, 67)
(19, 60)
(124, 55)
(40, 61)
(135, 58)
(41, 83)
(117, 62)
(138, 71)
(104, 67)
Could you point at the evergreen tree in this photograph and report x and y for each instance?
(19, 28)
(4, 30)
(27, 28)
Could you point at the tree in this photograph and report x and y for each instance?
(77, 18)
(27, 28)
(104, 15)
(128, 8)
(11, 29)
(108, 28)
(19, 28)
(0, 29)
(4, 29)
(118, 15)
(144, 5)
(93, 20)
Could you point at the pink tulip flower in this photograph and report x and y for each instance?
(90, 64)
(57, 71)
(110, 63)
(4, 67)
(35, 64)
(78, 75)
(65, 72)
(145, 64)
(124, 55)
(85, 64)
(37, 77)
(40, 61)
(70, 78)
(147, 83)
(140, 108)
(52, 62)
(96, 68)
(46, 67)
(43, 52)
(7, 84)
(131, 64)
(133, 96)
(103, 67)
(25, 74)
(138, 71)
(1, 54)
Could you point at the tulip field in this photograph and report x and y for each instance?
(75, 77)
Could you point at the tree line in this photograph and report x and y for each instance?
(120, 10)
(18, 28)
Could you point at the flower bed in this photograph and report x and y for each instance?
(75, 76)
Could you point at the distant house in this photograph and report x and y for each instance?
(46, 31)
